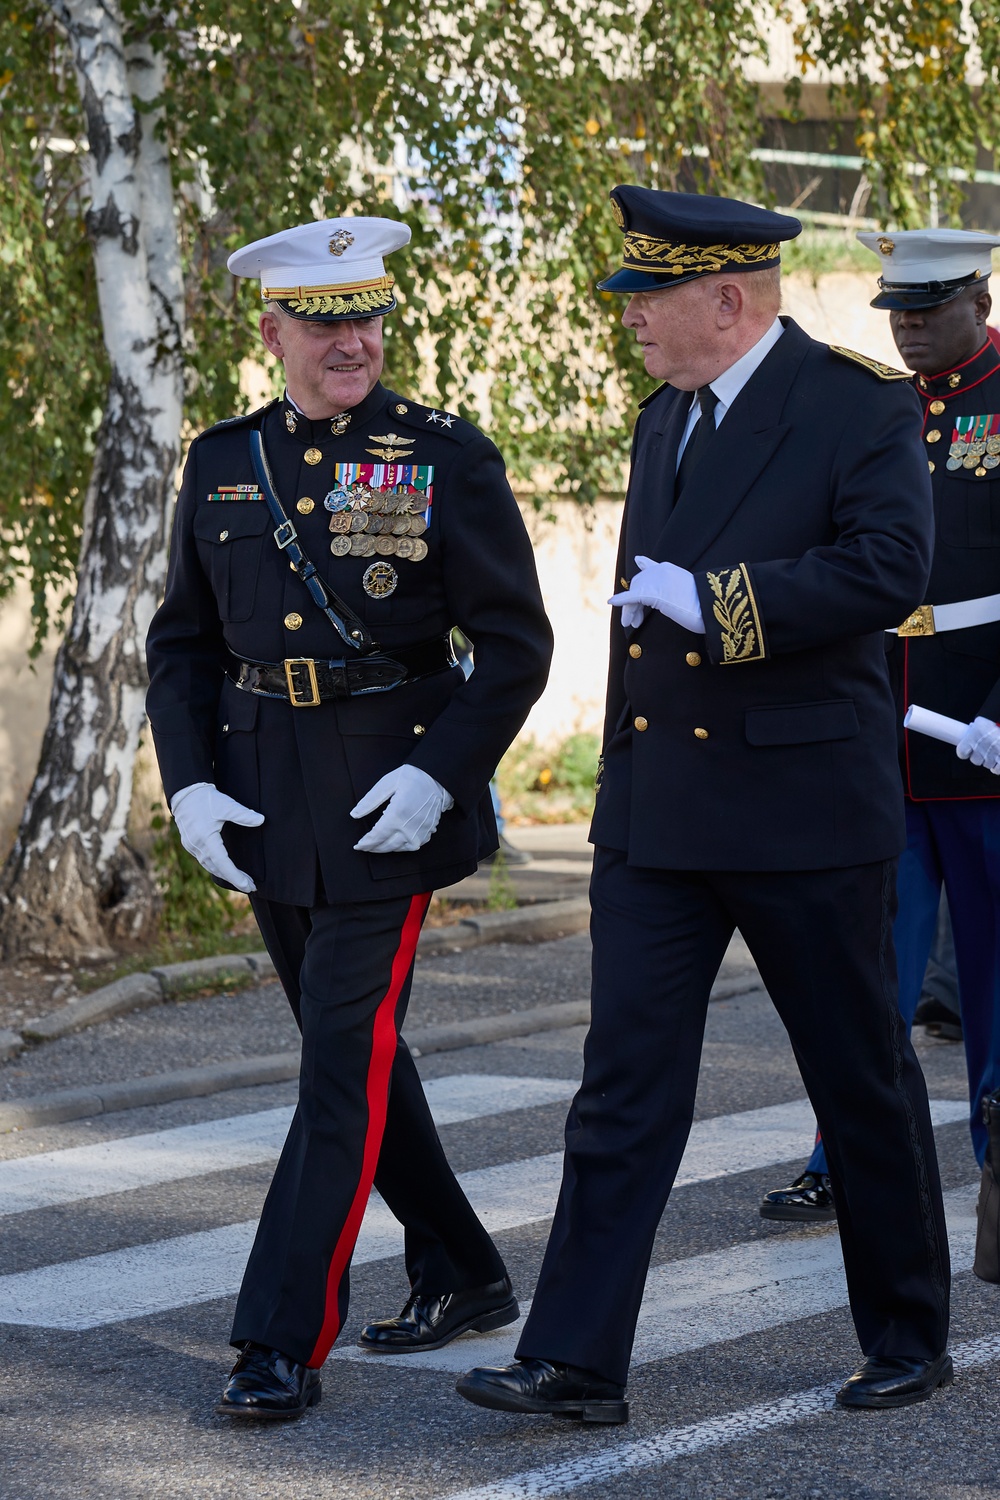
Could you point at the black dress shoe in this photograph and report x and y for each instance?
(535, 1385)
(808, 1200)
(895, 1382)
(267, 1385)
(432, 1322)
(508, 853)
(938, 1020)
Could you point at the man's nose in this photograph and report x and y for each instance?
(346, 339)
(631, 317)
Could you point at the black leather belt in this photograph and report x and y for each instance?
(305, 681)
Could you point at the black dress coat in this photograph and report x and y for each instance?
(769, 743)
(231, 596)
(958, 671)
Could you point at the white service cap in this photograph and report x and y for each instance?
(327, 270)
(925, 267)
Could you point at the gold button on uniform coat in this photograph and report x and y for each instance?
(635, 650)
(640, 723)
(305, 506)
(701, 734)
(937, 407)
(933, 436)
(693, 659)
(293, 621)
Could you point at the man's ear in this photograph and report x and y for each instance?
(270, 331)
(984, 304)
(730, 300)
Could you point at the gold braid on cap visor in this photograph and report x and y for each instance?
(348, 297)
(642, 252)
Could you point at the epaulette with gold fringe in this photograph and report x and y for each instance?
(884, 372)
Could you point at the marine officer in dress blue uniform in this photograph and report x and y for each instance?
(778, 520)
(945, 656)
(304, 697)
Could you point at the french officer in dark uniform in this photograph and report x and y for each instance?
(778, 519)
(946, 656)
(304, 696)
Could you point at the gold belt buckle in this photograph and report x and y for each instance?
(292, 664)
(921, 622)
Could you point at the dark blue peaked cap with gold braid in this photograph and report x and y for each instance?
(671, 238)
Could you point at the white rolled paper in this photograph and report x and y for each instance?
(938, 726)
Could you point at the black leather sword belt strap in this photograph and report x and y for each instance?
(305, 681)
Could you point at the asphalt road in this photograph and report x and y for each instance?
(124, 1240)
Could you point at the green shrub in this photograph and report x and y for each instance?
(554, 785)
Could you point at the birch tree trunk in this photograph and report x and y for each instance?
(72, 886)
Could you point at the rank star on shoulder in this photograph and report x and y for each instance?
(442, 418)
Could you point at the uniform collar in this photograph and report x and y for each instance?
(960, 378)
(310, 432)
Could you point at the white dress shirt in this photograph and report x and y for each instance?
(728, 385)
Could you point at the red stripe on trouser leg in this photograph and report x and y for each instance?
(377, 1094)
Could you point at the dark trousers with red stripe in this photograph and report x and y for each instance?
(361, 1118)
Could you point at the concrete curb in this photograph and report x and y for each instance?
(62, 1105)
(531, 924)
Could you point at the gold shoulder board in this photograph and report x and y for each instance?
(884, 372)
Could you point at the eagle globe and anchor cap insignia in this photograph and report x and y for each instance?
(340, 241)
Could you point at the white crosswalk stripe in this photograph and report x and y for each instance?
(709, 1299)
(661, 1448)
(116, 1166)
(142, 1280)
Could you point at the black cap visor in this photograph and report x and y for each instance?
(627, 281)
(897, 296)
(322, 317)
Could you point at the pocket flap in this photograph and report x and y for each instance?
(227, 523)
(238, 709)
(407, 711)
(802, 723)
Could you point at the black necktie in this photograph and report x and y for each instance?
(701, 436)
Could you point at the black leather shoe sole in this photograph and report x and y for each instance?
(855, 1399)
(258, 1413)
(485, 1322)
(603, 1411)
(797, 1213)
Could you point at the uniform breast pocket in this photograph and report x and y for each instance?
(230, 540)
(969, 511)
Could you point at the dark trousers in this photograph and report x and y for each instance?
(822, 942)
(361, 1118)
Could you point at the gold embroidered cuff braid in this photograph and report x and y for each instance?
(734, 610)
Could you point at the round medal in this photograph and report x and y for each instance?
(361, 545)
(954, 463)
(993, 445)
(971, 462)
(359, 520)
(991, 460)
(401, 526)
(385, 546)
(380, 580)
(340, 546)
(419, 550)
(405, 546)
(417, 525)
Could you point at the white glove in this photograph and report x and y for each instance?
(662, 586)
(981, 744)
(199, 811)
(416, 802)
